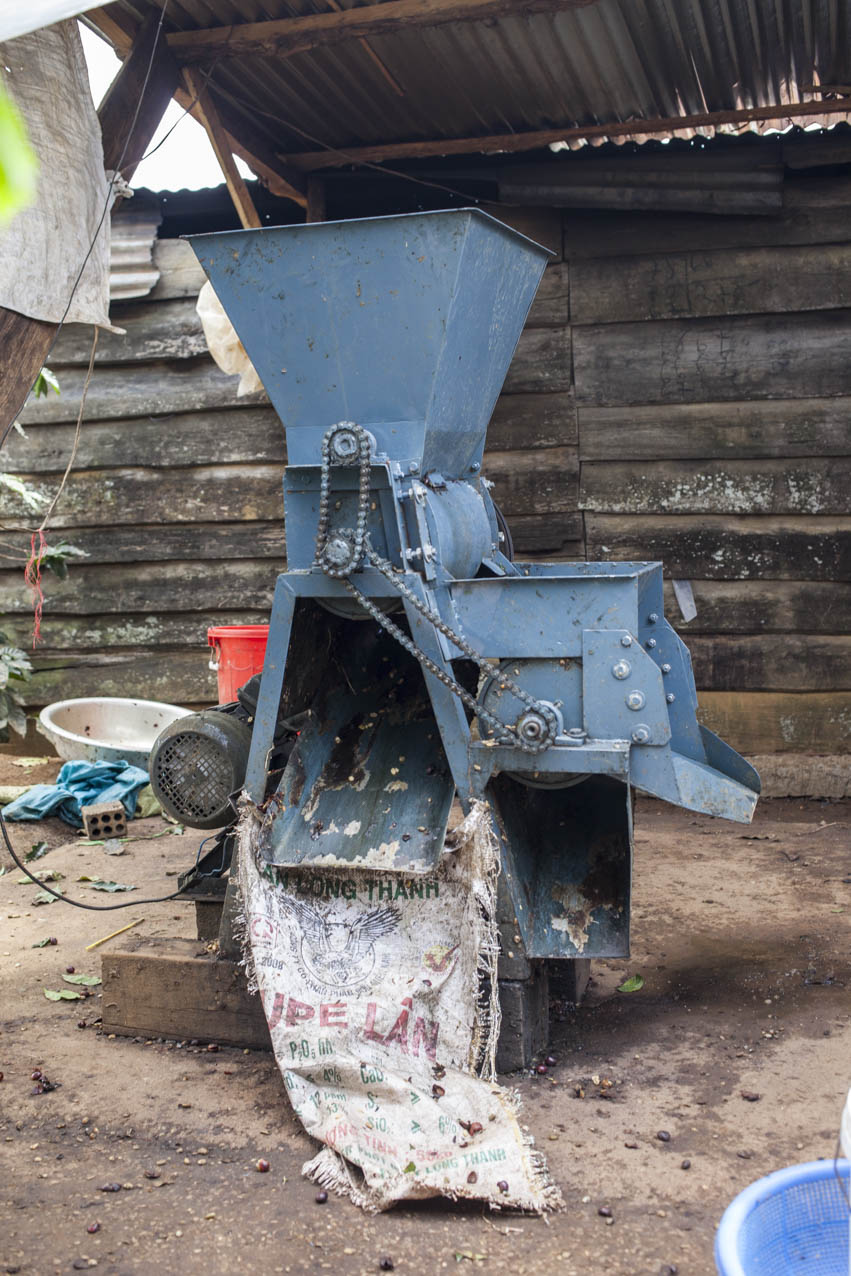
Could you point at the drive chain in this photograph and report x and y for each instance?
(505, 733)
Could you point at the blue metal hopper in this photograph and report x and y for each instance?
(404, 324)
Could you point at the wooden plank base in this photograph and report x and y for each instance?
(174, 988)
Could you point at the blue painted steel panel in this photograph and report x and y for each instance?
(405, 325)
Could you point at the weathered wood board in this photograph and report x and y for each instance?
(800, 356)
(763, 607)
(92, 498)
(229, 436)
(727, 547)
(173, 988)
(777, 722)
(112, 632)
(778, 428)
(812, 485)
(772, 662)
(205, 586)
(175, 677)
(815, 211)
(698, 284)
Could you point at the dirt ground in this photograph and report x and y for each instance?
(741, 935)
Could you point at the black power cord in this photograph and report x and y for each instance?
(76, 903)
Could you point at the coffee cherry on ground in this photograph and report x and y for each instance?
(320, 1198)
(503, 1186)
(386, 1265)
(93, 1227)
(262, 1167)
(550, 1061)
(663, 1136)
(541, 1069)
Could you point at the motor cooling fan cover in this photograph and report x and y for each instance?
(195, 766)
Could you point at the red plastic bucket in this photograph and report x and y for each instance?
(238, 652)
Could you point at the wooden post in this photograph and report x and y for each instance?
(124, 94)
(24, 344)
(242, 200)
(315, 211)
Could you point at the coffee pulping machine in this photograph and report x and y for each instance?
(409, 659)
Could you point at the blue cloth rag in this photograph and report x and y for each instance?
(80, 784)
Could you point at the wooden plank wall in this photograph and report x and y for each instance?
(712, 375)
(681, 391)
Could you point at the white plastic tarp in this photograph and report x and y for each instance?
(17, 18)
(44, 246)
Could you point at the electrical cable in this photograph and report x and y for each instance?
(77, 903)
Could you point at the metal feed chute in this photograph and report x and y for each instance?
(418, 661)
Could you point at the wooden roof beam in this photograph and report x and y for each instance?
(149, 63)
(220, 143)
(282, 37)
(243, 140)
(339, 157)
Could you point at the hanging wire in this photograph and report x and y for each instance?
(104, 211)
(344, 155)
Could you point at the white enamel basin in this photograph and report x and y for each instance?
(106, 728)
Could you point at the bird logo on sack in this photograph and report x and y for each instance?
(333, 953)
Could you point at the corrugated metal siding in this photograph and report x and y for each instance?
(132, 272)
(616, 60)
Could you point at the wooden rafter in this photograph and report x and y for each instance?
(220, 143)
(310, 161)
(242, 139)
(285, 36)
(152, 67)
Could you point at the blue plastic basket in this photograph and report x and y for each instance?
(793, 1221)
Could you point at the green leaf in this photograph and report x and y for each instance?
(16, 661)
(633, 984)
(41, 943)
(88, 981)
(64, 994)
(410, 1168)
(45, 897)
(18, 162)
(39, 849)
(44, 381)
(112, 887)
(55, 558)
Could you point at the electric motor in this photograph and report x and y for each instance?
(197, 763)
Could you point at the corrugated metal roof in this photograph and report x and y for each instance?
(610, 61)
